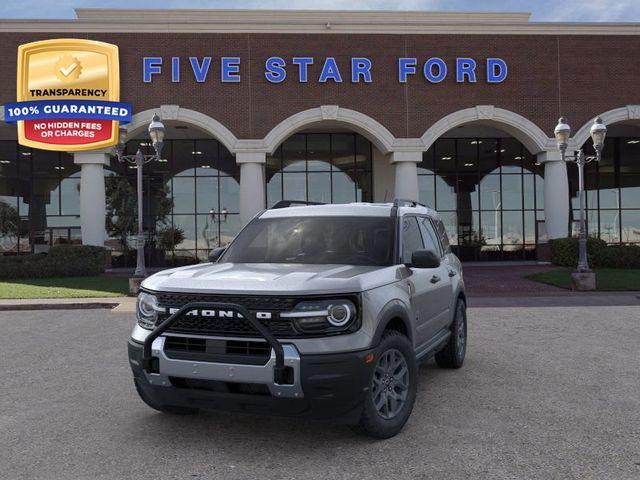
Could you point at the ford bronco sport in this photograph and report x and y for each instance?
(321, 311)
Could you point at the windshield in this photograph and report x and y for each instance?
(316, 240)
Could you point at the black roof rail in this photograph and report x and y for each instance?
(400, 202)
(292, 203)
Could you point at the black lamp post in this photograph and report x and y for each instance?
(156, 133)
(562, 133)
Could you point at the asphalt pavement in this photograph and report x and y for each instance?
(546, 392)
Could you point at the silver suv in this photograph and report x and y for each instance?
(321, 311)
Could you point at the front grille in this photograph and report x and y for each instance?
(235, 327)
(217, 350)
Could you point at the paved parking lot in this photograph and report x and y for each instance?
(546, 393)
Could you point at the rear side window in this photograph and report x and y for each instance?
(429, 236)
(442, 235)
(411, 238)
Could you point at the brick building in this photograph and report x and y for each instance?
(456, 110)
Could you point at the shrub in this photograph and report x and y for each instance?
(61, 261)
(564, 252)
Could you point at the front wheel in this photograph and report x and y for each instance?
(452, 355)
(392, 387)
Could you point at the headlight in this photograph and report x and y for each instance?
(323, 316)
(147, 310)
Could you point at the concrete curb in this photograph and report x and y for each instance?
(55, 306)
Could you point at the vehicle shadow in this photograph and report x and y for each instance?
(208, 428)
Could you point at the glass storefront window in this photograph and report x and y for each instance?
(612, 191)
(320, 167)
(490, 193)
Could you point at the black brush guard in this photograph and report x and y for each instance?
(148, 360)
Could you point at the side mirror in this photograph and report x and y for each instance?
(216, 253)
(425, 259)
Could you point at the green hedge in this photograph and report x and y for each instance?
(564, 252)
(61, 261)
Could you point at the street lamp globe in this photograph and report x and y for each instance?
(562, 133)
(122, 140)
(156, 133)
(598, 132)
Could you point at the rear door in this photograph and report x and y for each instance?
(424, 291)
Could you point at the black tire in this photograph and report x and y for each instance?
(372, 421)
(173, 410)
(452, 355)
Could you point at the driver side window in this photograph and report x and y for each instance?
(411, 238)
(429, 236)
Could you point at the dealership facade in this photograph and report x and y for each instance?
(455, 110)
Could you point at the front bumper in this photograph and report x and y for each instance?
(328, 386)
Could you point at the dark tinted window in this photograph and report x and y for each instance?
(442, 234)
(429, 236)
(315, 240)
(411, 238)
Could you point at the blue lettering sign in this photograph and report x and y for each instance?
(200, 71)
(230, 69)
(406, 66)
(175, 69)
(151, 66)
(330, 71)
(360, 67)
(303, 66)
(465, 67)
(496, 70)
(428, 70)
(275, 69)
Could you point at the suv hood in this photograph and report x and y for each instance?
(271, 279)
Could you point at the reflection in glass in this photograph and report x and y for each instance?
(630, 222)
(320, 167)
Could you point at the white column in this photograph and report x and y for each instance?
(93, 208)
(406, 172)
(556, 194)
(252, 187)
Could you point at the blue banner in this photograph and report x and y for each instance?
(67, 109)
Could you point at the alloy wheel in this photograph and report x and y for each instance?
(390, 385)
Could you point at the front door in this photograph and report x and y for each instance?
(427, 285)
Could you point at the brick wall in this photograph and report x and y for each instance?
(578, 76)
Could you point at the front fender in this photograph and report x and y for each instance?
(393, 310)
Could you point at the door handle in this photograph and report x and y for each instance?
(435, 279)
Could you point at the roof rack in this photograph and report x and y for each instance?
(291, 203)
(400, 202)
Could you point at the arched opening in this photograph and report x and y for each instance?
(488, 189)
(39, 197)
(191, 198)
(327, 165)
(327, 154)
(612, 186)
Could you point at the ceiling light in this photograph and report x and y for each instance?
(447, 158)
(517, 158)
(476, 142)
(26, 154)
(469, 164)
(631, 142)
(205, 166)
(59, 168)
(196, 152)
(4, 162)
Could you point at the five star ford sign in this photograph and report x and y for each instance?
(68, 95)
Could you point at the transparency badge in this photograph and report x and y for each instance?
(68, 95)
